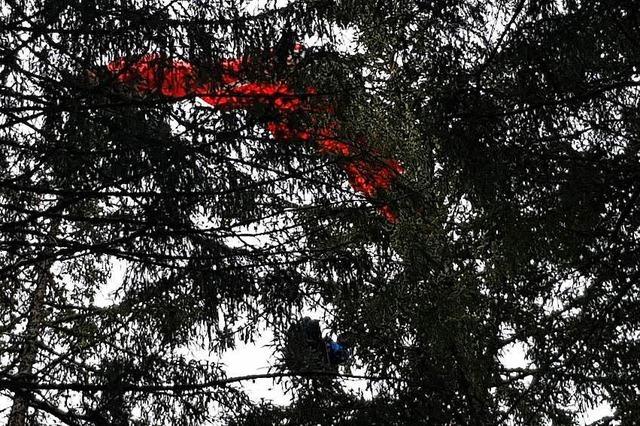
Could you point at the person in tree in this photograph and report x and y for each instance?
(307, 349)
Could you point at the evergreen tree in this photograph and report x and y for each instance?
(522, 160)
(516, 125)
(199, 204)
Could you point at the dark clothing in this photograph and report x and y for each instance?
(306, 349)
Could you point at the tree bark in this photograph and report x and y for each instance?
(29, 350)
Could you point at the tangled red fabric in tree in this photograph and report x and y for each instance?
(178, 79)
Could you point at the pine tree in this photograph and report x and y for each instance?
(516, 126)
(202, 207)
(521, 156)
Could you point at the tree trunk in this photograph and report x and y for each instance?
(29, 350)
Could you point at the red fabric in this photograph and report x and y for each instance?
(178, 79)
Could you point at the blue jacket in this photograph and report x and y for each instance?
(337, 353)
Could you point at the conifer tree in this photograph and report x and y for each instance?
(517, 212)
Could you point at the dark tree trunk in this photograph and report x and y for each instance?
(29, 350)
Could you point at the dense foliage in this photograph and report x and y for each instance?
(516, 123)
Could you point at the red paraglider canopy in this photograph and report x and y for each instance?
(178, 79)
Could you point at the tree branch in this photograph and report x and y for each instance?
(13, 384)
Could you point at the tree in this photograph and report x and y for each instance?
(515, 122)
(202, 211)
(521, 154)
(524, 162)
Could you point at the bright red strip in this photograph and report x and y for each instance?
(178, 79)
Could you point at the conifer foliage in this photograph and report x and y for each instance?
(448, 182)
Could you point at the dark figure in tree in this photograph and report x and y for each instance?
(307, 349)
